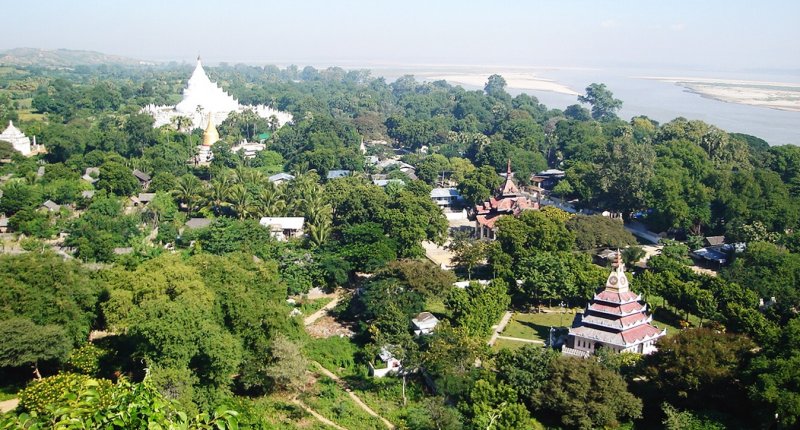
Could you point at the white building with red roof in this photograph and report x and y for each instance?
(615, 319)
(508, 201)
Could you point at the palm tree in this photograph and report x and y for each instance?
(240, 201)
(271, 201)
(273, 123)
(218, 193)
(181, 123)
(320, 232)
(316, 208)
(249, 176)
(188, 191)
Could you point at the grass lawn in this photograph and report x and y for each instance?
(536, 325)
(508, 344)
(436, 307)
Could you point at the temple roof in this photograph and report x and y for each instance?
(11, 132)
(506, 202)
(200, 91)
(617, 297)
(210, 135)
(625, 338)
(618, 323)
(508, 188)
(619, 310)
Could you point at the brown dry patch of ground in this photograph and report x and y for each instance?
(327, 326)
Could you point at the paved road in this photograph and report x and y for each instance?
(518, 339)
(353, 396)
(500, 327)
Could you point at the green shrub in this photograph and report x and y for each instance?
(79, 402)
(41, 395)
(86, 359)
(332, 353)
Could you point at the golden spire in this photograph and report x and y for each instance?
(210, 135)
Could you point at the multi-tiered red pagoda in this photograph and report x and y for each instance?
(615, 319)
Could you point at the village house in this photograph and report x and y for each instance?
(280, 178)
(144, 178)
(424, 323)
(336, 174)
(143, 199)
(284, 228)
(547, 179)
(446, 198)
(384, 182)
(51, 206)
(248, 150)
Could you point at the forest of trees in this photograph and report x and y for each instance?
(197, 320)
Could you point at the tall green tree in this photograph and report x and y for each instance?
(604, 105)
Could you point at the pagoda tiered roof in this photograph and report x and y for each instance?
(609, 296)
(624, 338)
(622, 323)
(618, 310)
(616, 317)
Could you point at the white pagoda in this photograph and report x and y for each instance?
(615, 319)
(203, 99)
(20, 141)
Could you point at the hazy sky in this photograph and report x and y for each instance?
(715, 35)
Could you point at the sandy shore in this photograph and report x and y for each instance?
(773, 95)
(515, 80)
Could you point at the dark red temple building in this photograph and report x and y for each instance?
(508, 200)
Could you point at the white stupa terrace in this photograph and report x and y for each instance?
(20, 141)
(202, 98)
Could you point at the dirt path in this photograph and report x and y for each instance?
(500, 327)
(353, 396)
(518, 339)
(323, 311)
(316, 415)
(438, 255)
(8, 405)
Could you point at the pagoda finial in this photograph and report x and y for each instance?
(618, 259)
(508, 171)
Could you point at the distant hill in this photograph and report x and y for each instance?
(60, 58)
